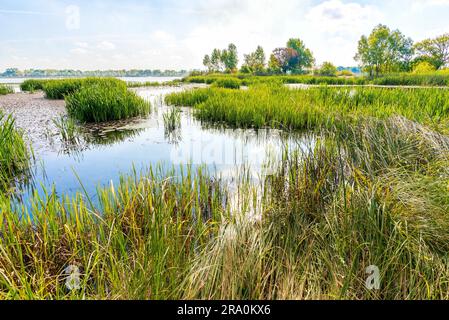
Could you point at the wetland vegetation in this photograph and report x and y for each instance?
(368, 185)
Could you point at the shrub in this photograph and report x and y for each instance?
(105, 100)
(423, 67)
(327, 69)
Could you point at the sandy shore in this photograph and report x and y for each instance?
(34, 115)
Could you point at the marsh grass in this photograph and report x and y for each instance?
(15, 155)
(5, 89)
(32, 85)
(135, 244)
(68, 129)
(279, 107)
(100, 101)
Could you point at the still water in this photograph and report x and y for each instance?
(115, 149)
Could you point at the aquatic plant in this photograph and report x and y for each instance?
(229, 83)
(100, 101)
(4, 89)
(15, 155)
(279, 107)
(172, 119)
(32, 85)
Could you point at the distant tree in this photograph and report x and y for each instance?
(274, 65)
(255, 61)
(435, 51)
(207, 63)
(327, 69)
(384, 51)
(216, 60)
(304, 58)
(229, 58)
(294, 58)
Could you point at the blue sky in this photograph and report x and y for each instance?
(155, 34)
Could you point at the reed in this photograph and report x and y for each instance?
(32, 85)
(279, 107)
(100, 101)
(15, 155)
(4, 89)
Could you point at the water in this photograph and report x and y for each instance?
(127, 79)
(117, 149)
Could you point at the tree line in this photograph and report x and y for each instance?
(35, 73)
(383, 51)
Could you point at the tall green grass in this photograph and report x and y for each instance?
(105, 100)
(32, 85)
(279, 107)
(374, 193)
(4, 89)
(15, 155)
(137, 243)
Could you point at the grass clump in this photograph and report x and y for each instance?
(279, 107)
(14, 153)
(32, 85)
(136, 243)
(4, 89)
(229, 83)
(104, 100)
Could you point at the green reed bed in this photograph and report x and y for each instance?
(105, 100)
(32, 85)
(135, 244)
(4, 89)
(14, 153)
(279, 107)
(375, 194)
(439, 79)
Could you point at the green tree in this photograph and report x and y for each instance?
(435, 51)
(384, 51)
(207, 63)
(273, 64)
(423, 67)
(229, 58)
(327, 69)
(255, 61)
(216, 60)
(304, 57)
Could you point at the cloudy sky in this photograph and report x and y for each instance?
(169, 34)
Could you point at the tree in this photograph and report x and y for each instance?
(384, 51)
(273, 64)
(207, 63)
(435, 51)
(287, 58)
(304, 58)
(255, 61)
(327, 69)
(216, 60)
(229, 58)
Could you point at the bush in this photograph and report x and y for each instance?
(327, 69)
(33, 85)
(105, 100)
(423, 67)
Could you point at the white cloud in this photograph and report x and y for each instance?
(336, 17)
(106, 46)
(79, 51)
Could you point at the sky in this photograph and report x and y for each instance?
(169, 34)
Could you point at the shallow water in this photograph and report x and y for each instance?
(114, 149)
